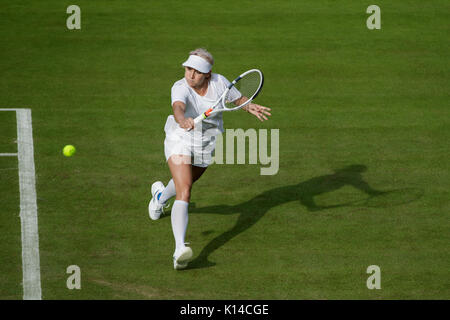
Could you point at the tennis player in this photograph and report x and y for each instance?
(188, 153)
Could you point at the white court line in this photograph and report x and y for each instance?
(28, 206)
(8, 154)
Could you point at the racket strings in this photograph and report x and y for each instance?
(243, 90)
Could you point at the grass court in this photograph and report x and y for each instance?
(358, 111)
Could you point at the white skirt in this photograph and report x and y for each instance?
(199, 146)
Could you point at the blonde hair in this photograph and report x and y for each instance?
(201, 52)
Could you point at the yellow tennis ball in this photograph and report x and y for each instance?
(69, 150)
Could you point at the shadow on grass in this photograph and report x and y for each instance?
(253, 210)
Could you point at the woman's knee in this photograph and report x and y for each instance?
(183, 191)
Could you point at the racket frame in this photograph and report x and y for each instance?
(221, 101)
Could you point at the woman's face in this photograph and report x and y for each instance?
(195, 78)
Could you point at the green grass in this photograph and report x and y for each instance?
(341, 95)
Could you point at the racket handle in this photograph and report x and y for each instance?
(197, 120)
(200, 118)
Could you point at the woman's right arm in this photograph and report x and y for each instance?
(178, 113)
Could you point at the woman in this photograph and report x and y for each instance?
(189, 154)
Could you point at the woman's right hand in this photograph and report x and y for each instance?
(187, 123)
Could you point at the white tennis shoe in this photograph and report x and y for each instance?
(181, 258)
(155, 209)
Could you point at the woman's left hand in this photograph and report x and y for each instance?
(258, 111)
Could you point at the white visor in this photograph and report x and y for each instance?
(198, 63)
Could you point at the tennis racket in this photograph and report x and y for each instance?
(238, 94)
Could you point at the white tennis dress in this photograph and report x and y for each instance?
(199, 144)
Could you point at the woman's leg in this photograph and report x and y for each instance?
(170, 190)
(197, 172)
(183, 176)
(181, 170)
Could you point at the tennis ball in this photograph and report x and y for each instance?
(69, 150)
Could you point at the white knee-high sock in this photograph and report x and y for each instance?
(169, 192)
(179, 218)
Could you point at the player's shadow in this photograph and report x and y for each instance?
(253, 210)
